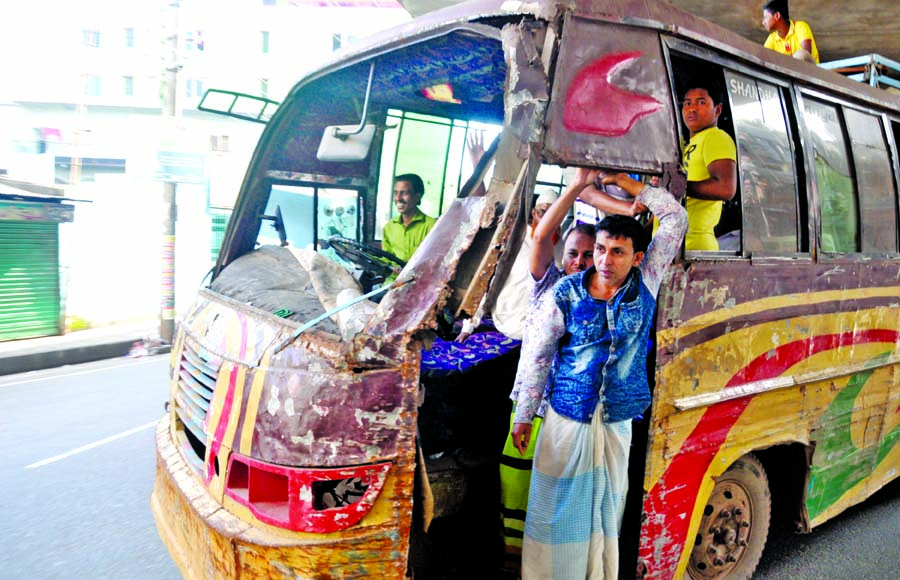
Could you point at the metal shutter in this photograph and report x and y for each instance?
(29, 279)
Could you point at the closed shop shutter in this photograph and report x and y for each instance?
(29, 279)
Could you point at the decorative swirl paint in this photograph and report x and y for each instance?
(847, 464)
(671, 501)
(595, 105)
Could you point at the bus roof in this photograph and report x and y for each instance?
(658, 15)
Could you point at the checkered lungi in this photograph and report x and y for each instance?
(577, 499)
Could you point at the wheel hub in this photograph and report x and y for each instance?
(724, 531)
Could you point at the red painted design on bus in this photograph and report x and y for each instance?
(672, 499)
(595, 105)
(227, 404)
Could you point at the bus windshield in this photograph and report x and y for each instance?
(422, 101)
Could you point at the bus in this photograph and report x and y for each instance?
(307, 437)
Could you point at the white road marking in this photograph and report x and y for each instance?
(90, 446)
(46, 377)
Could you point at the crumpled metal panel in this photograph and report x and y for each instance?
(207, 541)
(331, 418)
(507, 239)
(432, 267)
(305, 405)
(611, 104)
(516, 229)
(527, 93)
(216, 321)
(414, 306)
(518, 157)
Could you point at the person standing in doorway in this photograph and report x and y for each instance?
(588, 346)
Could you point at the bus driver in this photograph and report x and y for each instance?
(403, 234)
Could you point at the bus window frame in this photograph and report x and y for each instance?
(786, 99)
(796, 137)
(809, 201)
(842, 103)
(396, 120)
(304, 180)
(892, 134)
(885, 129)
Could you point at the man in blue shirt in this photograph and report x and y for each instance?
(590, 341)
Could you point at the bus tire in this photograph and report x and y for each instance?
(735, 524)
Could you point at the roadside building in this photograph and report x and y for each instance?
(87, 113)
(30, 292)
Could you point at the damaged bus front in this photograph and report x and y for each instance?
(290, 443)
(309, 435)
(290, 446)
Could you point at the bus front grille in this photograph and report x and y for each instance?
(197, 374)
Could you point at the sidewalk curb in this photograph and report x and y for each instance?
(21, 363)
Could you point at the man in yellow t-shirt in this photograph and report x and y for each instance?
(790, 37)
(709, 159)
(403, 234)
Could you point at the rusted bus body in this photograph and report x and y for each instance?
(780, 353)
(358, 418)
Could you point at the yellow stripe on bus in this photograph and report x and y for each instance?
(259, 376)
(721, 313)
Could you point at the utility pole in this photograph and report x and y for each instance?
(170, 206)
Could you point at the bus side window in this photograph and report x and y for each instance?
(877, 197)
(767, 180)
(838, 209)
(895, 148)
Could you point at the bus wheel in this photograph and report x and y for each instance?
(735, 524)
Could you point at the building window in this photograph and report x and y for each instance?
(193, 40)
(264, 87)
(339, 40)
(128, 86)
(218, 143)
(265, 41)
(129, 38)
(90, 38)
(73, 170)
(220, 217)
(193, 88)
(92, 85)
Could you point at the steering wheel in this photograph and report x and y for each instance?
(369, 258)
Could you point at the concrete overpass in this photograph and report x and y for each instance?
(842, 29)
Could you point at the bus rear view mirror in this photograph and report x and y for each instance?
(342, 143)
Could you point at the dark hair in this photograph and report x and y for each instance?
(623, 226)
(416, 181)
(583, 229)
(778, 7)
(711, 86)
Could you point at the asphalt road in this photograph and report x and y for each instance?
(77, 469)
(862, 543)
(77, 449)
